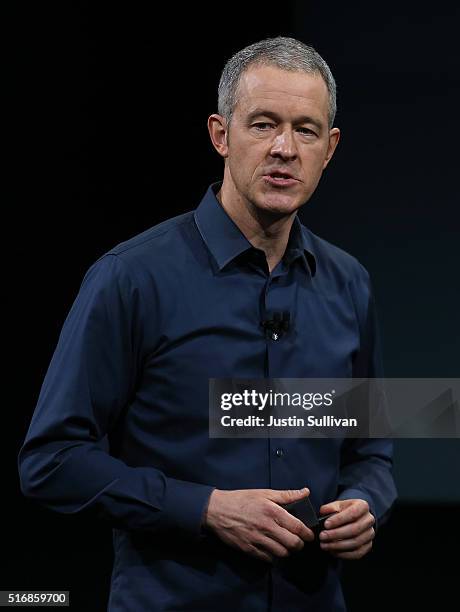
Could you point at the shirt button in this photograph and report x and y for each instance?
(279, 452)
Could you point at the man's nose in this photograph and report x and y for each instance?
(284, 145)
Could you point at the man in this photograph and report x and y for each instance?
(121, 425)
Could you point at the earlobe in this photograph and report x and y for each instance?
(218, 133)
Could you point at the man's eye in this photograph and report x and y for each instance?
(307, 131)
(262, 126)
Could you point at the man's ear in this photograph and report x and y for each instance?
(217, 127)
(334, 136)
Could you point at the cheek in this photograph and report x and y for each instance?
(245, 160)
(313, 161)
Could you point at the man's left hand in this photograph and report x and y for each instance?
(349, 533)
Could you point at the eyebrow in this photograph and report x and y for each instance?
(257, 112)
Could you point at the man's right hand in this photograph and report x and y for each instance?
(253, 521)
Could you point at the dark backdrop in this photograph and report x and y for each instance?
(109, 132)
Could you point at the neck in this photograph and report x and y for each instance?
(264, 230)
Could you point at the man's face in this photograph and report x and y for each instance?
(279, 141)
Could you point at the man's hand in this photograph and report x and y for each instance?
(253, 521)
(349, 533)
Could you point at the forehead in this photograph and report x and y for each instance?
(279, 89)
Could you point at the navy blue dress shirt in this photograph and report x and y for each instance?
(121, 425)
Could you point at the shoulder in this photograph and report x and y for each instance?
(134, 261)
(159, 242)
(155, 240)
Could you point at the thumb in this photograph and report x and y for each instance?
(329, 508)
(289, 495)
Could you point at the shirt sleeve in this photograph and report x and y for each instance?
(367, 463)
(65, 462)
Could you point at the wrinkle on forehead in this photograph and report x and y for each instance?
(271, 83)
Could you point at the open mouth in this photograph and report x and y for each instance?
(280, 179)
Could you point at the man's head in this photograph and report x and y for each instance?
(277, 105)
(284, 53)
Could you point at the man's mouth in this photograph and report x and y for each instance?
(280, 179)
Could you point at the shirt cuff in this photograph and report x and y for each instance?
(184, 506)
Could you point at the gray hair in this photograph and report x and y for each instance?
(282, 52)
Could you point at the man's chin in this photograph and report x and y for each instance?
(278, 206)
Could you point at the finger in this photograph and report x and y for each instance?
(285, 496)
(350, 543)
(348, 514)
(292, 524)
(259, 554)
(352, 530)
(331, 507)
(270, 546)
(285, 537)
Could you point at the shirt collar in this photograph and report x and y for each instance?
(226, 241)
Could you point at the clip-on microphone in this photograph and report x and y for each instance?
(278, 325)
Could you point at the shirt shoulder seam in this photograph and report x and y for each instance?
(116, 250)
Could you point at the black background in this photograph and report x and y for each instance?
(109, 109)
